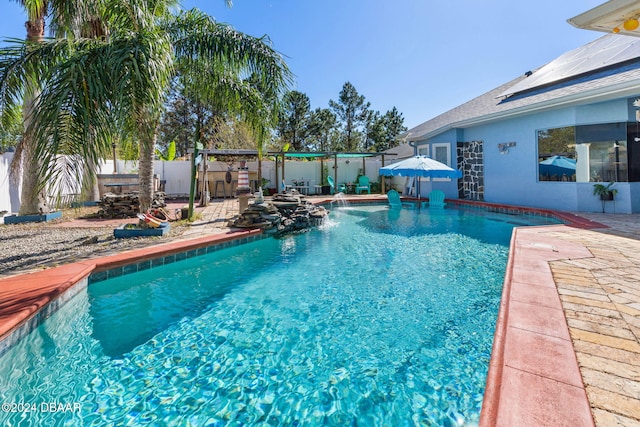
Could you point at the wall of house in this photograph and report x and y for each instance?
(511, 177)
(470, 160)
(448, 186)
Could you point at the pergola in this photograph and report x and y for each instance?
(281, 156)
(322, 155)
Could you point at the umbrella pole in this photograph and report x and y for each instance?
(384, 190)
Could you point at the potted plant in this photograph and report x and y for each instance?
(264, 184)
(605, 192)
(326, 188)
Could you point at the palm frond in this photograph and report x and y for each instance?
(36, 9)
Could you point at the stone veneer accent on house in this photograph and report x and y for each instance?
(471, 163)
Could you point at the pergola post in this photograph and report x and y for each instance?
(382, 184)
(283, 184)
(335, 169)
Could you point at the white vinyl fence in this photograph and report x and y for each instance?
(9, 194)
(176, 174)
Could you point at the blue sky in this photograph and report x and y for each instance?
(422, 56)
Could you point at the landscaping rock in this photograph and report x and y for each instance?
(286, 213)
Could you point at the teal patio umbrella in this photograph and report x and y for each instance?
(420, 166)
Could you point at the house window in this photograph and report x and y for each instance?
(441, 153)
(557, 154)
(588, 153)
(423, 150)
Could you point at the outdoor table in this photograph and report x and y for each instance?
(350, 187)
(303, 189)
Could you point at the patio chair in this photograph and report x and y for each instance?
(394, 200)
(331, 184)
(342, 188)
(436, 199)
(363, 184)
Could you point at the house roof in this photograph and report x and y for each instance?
(603, 69)
(402, 151)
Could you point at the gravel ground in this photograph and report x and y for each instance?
(30, 246)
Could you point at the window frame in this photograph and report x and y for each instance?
(447, 146)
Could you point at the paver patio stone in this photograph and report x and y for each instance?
(606, 418)
(615, 329)
(615, 354)
(614, 402)
(602, 364)
(614, 384)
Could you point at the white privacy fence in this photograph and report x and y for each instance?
(176, 174)
(9, 194)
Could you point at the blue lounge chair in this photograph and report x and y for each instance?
(331, 184)
(363, 184)
(342, 188)
(436, 199)
(395, 202)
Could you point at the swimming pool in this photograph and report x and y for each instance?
(381, 317)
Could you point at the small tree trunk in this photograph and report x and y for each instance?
(90, 190)
(32, 196)
(145, 173)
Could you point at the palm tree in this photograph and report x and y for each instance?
(93, 88)
(32, 200)
(66, 15)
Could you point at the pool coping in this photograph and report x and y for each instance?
(534, 377)
(47, 290)
(27, 299)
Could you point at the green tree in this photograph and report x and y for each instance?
(169, 154)
(383, 130)
(388, 128)
(68, 19)
(11, 130)
(321, 129)
(293, 118)
(32, 198)
(126, 77)
(177, 123)
(374, 130)
(352, 111)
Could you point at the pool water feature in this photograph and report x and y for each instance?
(380, 317)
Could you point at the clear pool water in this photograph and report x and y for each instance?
(379, 318)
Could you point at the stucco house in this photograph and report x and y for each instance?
(544, 138)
